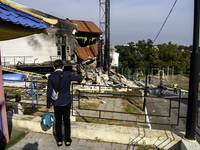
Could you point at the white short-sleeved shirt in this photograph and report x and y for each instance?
(17, 107)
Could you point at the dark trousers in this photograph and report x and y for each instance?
(175, 90)
(63, 113)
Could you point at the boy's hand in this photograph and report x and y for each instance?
(80, 82)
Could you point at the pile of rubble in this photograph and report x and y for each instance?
(93, 75)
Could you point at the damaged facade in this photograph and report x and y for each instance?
(41, 47)
(69, 40)
(74, 42)
(87, 37)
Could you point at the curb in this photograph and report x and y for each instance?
(109, 133)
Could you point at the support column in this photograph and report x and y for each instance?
(107, 37)
(194, 78)
(3, 108)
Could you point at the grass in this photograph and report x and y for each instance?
(15, 137)
(173, 79)
(132, 106)
(131, 103)
(37, 111)
(12, 91)
(107, 121)
(89, 105)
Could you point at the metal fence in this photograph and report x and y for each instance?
(163, 109)
(171, 110)
(22, 60)
(15, 60)
(156, 76)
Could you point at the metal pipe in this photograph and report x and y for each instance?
(179, 105)
(37, 90)
(170, 107)
(25, 89)
(145, 91)
(32, 92)
(4, 61)
(72, 105)
(79, 92)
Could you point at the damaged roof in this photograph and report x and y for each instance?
(15, 23)
(86, 26)
(85, 52)
(17, 17)
(86, 29)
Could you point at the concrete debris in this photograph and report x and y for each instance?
(44, 94)
(103, 102)
(93, 75)
(122, 89)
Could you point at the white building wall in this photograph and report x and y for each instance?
(39, 46)
(115, 61)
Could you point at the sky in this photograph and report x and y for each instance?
(130, 20)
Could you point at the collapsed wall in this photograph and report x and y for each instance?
(93, 75)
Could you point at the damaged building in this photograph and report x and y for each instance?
(69, 40)
(73, 41)
(59, 43)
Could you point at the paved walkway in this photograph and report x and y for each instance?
(39, 141)
(160, 106)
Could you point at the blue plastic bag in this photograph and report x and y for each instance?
(47, 120)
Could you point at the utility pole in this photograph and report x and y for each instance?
(194, 78)
(106, 12)
(107, 37)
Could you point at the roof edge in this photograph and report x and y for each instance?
(48, 20)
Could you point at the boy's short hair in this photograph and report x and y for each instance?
(58, 64)
(18, 98)
(17, 95)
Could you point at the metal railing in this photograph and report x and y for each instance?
(97, 93)
(15, 60)
(171, 109)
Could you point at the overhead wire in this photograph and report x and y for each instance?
(165, 21)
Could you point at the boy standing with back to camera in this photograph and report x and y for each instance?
(63, 103)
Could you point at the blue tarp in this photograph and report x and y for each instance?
(12, 77)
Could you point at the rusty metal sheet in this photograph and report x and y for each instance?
(86, 26)
(85, 52)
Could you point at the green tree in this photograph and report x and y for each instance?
(148, 52)
(160, 56)
(171, 56)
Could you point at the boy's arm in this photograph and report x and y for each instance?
(22, 108)
(76, 78)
